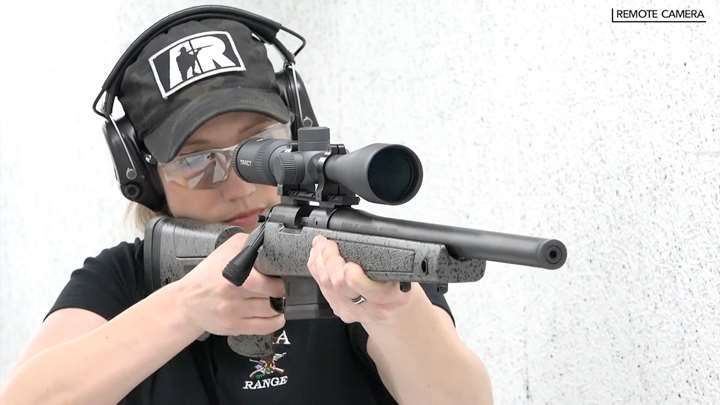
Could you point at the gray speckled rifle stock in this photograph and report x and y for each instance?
(413, 252)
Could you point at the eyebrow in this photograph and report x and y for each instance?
(202, 142)
(197, 142)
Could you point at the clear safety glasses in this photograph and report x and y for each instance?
(209, 168)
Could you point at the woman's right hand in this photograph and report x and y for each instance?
(215, 305)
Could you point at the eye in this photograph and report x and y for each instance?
(194, 159)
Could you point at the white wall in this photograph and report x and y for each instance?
(533, 118)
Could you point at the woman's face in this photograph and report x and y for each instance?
(234, 200)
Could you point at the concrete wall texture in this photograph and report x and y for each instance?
(539, 118)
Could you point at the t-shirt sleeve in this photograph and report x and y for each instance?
(359, 337)
(106, 284)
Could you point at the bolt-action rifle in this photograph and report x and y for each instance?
(319, 182)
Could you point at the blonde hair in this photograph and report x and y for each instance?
(140, 215)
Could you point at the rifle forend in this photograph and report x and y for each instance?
(387, 249)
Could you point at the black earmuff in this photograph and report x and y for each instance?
(293, 92)
(135, 169)
(139, 180)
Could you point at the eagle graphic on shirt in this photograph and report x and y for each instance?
(266, 367)
(267, 374)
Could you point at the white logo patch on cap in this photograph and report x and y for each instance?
(192, 58)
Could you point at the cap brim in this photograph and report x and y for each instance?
(165, 141)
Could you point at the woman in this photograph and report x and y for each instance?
(191, 100)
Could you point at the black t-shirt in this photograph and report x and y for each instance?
(316, 361)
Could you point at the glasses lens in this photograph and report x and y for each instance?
(210, 170)
(207, 169)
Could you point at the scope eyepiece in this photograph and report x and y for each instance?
(252, 159)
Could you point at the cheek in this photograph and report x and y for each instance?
(268, 194)
(206, 205)
(194, 204)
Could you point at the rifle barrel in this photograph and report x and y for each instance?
(461, 242)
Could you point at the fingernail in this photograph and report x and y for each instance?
(278, 304)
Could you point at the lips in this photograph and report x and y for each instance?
(246, 219)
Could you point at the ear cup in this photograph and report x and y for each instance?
(286, 92)
(292, 89)
(139, 181)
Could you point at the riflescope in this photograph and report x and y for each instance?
(380, 173)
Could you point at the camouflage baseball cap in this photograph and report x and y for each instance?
(192, 73)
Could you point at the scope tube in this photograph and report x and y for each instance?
(380, 173)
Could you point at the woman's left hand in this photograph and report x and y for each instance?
(343, 282)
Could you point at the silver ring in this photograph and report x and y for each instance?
(358, 300)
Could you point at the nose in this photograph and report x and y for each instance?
(235, 188)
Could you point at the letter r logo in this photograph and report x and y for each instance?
(192, 58)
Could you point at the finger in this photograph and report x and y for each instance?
(324, 246)
(342, 306)
(375, 291)
(263, 286)
(330, 261)
(234, 243)
(255, 308)
(311, 257)
(328, 247)
(321, 273)
(339, 280)
(228, 250)
(317, 238)
(314, 252)
(318, 266)
(335, 267)
(332, 266)
(261, 326)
